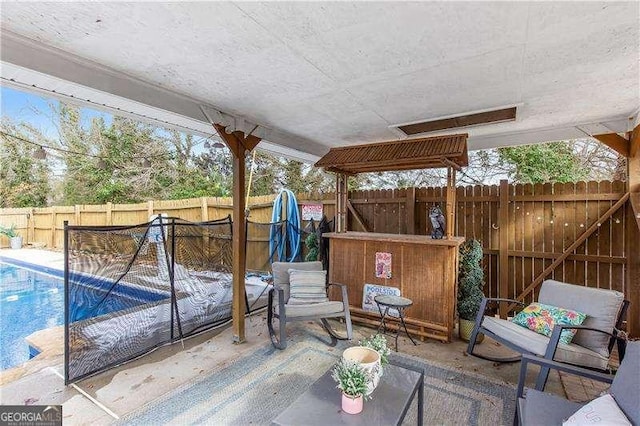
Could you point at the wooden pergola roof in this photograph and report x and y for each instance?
(423, 153)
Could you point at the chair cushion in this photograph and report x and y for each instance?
(542, 318)
(306, 287)
(626, 383)
(281, 273)
(315, 309)
(544, 409)
(532, 342)
(600, 411)
(601, 307)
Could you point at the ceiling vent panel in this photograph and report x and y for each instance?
(466, 120)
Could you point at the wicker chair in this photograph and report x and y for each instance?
(279, 308)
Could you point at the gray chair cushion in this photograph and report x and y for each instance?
(601, 306)
(545, 409)
(315, 309)
(280, 272)
(306, 287)
(537, 344)
(626, 384)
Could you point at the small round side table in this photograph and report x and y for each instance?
(393, 302)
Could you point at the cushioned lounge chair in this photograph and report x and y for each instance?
(281, 310)
(591, 347)
(539, 408)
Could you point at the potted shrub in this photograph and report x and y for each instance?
(470, 287)
(351, 379)
(378, 343)
(370, 360)
(15, 240)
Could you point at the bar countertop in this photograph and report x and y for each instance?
(395, 238)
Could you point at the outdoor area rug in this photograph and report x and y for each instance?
(256, 388)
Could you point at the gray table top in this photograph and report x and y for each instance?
(395, 301)
(321, 403)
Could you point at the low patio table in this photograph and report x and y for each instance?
(321, 403)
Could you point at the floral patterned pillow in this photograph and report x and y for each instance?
(541, 318)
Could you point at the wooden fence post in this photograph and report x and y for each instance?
(109, 218)
(76, 211)
(149, 208)
(411, 210)
(53, 228)
(31, 225)
(204, 210)
(503, 245)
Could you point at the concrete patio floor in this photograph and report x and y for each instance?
(130, 386)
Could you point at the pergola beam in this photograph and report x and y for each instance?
(239, 144)
(615, 142)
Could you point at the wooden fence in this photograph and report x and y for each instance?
(523, 228)
(44, 227)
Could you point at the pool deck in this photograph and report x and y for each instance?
(139, 382)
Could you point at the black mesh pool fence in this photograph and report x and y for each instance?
(130, 289)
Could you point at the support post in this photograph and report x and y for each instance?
(503, 246)
(451, 202)
(342, 195)
(240, 145)
(633, 235)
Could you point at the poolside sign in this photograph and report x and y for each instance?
(312, 211)
(370, 291)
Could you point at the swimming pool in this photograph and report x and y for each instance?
(33, 300)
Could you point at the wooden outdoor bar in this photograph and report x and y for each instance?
(416, 267)
(423, 269)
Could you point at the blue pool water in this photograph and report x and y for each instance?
(32, 301)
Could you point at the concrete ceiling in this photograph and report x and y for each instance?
(318, 75)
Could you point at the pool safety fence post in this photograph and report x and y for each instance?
(171, 263)
(66, 302)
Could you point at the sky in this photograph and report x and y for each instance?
(38, 110)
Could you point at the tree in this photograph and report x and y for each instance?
(123, 162)
(24, 181)
(550, 162)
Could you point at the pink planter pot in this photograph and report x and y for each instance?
(352, 405)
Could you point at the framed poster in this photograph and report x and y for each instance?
(370, 291)
(383, 265)
(312, 211)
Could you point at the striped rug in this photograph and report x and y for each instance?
(256, 388)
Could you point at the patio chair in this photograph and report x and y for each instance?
(539, 408)
(284, 308)
(591, 346)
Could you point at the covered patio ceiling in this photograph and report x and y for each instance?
(320, 75)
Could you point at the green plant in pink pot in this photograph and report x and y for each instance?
(351, 379)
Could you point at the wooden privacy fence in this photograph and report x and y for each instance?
(44, 227)
(524, 229)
